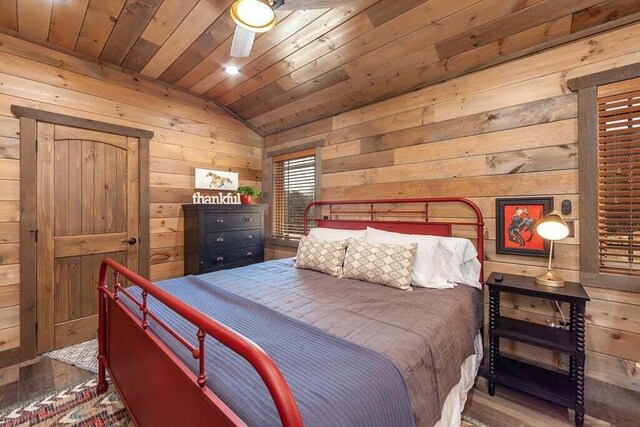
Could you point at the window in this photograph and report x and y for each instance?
(619, 177)
(609, 177)
(294, 187)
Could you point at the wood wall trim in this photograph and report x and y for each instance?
(297, 148)
(605, 77)
(28, 213)
(28, 223)
(62, 119)
(11, 357)
(588, 178)
(144, 244)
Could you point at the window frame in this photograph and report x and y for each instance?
(587, 88)
(270, 192)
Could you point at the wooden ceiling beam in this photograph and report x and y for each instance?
(98, 23)
(201, 17)
(66, 21)
(322, 36)
(9, 14)
(352, 38)
(514, 23)
(443, 20)
(34, 17)
(129, 26)
(169, 15)
(221, 29)
(218, 56)
(314, 64)
(294, 22)
(174, 97)
(425, 76)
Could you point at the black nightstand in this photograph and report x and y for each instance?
(566, 389)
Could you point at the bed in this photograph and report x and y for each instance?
(261, 357)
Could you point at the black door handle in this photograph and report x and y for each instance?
(131, 241)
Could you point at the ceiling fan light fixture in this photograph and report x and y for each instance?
(253, 15)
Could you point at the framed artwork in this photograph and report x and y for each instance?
(207, 179)
(516, 221)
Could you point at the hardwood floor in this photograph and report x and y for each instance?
(28, 380)
(510, 408)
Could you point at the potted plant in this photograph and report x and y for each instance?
(247, 193)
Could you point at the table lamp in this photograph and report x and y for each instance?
(552, 227)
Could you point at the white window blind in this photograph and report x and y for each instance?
(619, 178)
(294, 188)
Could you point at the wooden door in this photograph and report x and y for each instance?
(87, 209)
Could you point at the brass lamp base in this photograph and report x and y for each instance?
(550, 278)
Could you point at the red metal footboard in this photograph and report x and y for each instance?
(157, 388)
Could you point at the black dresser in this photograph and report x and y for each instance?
(218, 237)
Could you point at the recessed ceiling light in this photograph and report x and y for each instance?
(231, 70)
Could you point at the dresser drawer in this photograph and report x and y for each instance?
(237, 238)
(218, 256)
(227, 221)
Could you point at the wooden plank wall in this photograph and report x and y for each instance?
(189, 132)
(506, 131)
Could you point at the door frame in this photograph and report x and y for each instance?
(29, 118)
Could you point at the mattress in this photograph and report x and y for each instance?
(427, 333)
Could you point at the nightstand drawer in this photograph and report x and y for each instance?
(227, 221)
(226, 239)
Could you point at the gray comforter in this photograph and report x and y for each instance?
(426, 333)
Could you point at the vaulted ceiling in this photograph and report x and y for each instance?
(315, 63)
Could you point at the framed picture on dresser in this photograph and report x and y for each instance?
(516, 221)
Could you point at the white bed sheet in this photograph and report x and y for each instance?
(457, 397)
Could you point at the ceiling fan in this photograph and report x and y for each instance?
(258, 16)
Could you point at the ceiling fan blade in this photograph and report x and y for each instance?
(308, 4)
(242, 42)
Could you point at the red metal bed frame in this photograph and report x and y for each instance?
(157, 388)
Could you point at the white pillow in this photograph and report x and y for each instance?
(334, 235)
(427, 262)
(441, 262)
(460, 259)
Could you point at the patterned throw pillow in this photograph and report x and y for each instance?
(383, 263)
(323, 256)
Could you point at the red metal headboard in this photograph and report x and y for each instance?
(335, 218)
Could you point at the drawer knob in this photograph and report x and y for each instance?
(220, 239)
(220, 220)
(249, 253)
(220, 259)
(249, 236)
(247, 218)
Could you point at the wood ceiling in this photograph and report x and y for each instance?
(313, 64)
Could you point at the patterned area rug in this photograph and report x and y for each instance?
(82, 355)
(78, 405)
(81, 406)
